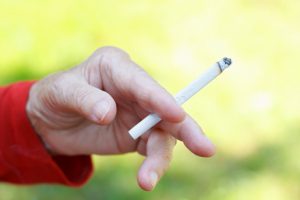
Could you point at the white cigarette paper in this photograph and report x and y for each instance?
(181, 97)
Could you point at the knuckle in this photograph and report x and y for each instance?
(112, 52)
(111, 57)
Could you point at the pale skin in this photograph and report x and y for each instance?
(89, 109)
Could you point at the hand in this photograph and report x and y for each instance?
(90, 108)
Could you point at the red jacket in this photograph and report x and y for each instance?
(23, 158)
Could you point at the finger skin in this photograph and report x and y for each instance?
(62, 108)
(159, 154)
(135, 84)
(191, 134)
(90, 102)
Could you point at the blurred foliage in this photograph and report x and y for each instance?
(251, 112)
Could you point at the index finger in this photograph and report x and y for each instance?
(136, 84)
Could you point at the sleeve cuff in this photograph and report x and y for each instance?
(23, 158)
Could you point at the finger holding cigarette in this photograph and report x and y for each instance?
(181, 97)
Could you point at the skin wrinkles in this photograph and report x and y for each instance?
(62, 106)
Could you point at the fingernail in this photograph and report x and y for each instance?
(153, 178)
(101, 110)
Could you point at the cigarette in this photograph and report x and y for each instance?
(181, 97)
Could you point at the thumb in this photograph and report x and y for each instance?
(90, 102)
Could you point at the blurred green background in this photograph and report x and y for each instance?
(251, 112)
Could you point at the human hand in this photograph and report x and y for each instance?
(90, 108)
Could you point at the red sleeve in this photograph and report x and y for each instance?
(23, 158)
